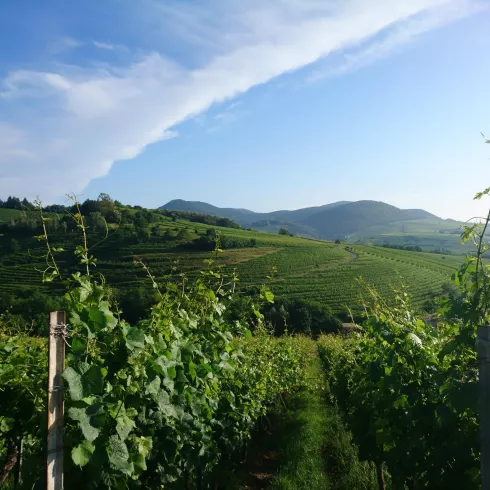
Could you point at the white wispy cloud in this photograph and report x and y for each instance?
(69, 124)
(395, 38)
(109, 46)
(64, 44)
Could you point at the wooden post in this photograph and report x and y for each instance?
(56, 365)
(483, 350)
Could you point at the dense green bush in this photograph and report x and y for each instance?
(149, 404)
(408, 392)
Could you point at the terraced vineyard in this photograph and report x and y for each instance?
(310, 269)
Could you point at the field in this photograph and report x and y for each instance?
(316, 270)
(5, 214)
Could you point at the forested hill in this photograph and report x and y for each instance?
(365, 221)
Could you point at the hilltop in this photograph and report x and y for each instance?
(369, 222)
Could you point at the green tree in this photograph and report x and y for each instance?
(97, 221)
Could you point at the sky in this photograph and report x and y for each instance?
(258, 104)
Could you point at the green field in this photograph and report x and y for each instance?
(315, 270)
(5, 214)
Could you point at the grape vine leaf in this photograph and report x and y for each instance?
(80, 415)
(82, 453)
(118, 455)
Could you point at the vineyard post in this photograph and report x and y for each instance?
(56, 366)
(483, 348)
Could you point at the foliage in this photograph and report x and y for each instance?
(409, 399)
(154, 403)
(408, 389)
(26, 312)
(298, 316)
(23, 374)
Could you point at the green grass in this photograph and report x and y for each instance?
(303, 439)
(318, 453)
(304, 447)
(5, 214)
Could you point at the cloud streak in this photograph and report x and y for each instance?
(395, 37)
(68, 125)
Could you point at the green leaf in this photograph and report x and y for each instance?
(124, 426)
(169, 384)
(84, 380)
(135, 339)
(96, 316)
(80, 415)
(192, 370)
(6, 424)
(82, 453)
(93, 380)
(163, 401)
(172, 372)
(139, 463)
(153, 387)
(75, 386)
(118, 455)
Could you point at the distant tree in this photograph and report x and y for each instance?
(211, 233)
(143, 235)
(26, 204)
(89, 206)
(337, 242)
(156, 231)
(285, 231)
(53, 224)
(104, 197)
(140, 220)
(97, 221)
(13, 203)
(108, 208)
(253, 242)
(55, 208)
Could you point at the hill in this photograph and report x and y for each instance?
(369, 222)
(312, 270)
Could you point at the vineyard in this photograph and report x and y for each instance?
(408, 391)
(174, 399)
(155, 404)
(319, 271)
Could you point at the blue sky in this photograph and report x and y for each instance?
(263, 105)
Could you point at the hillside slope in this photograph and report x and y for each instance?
(311, 270)
(361, 221)
(246, 217)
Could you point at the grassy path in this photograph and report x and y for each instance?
(304, 447)
(302, 455)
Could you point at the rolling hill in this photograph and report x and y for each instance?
(369, 222)
(315, 270)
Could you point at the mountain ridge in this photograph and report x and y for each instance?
(337, 220)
